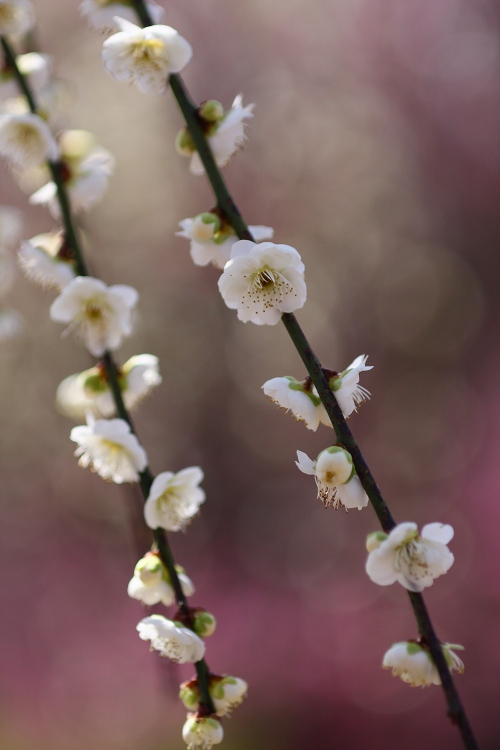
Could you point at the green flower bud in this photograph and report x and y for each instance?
(204, 624)
(184, 143)
(212, 110)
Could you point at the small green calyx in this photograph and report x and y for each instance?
(413, 648)
(335, 384)
(211, 110)
(212, 722)
(374, 540)
(95, 383)
(184, 143)
(189, 696)
(204, 624)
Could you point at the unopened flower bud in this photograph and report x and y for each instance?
(184, 143)
(212, 110)
(205, 226)
(202, 733)
(189, 694)
(204, 623)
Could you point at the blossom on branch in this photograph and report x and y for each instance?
(411, 559)
(336, 478)
(345, 385)
(263, 281)
(227, 693)
(202, 733)
(145, 56)
(86, 169)
(89, 391)
(101, 15)
(102, 314)
(174, 499)
(110, 448)
(171, 639)
(212, 238)
(413, 663)
(45, 260)
(151, 582)
(224, 131)
(26, 140)
(300, 397)
(17, 17)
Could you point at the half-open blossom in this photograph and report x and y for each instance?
(336, 478)
(411, 559)
(89, 391)
(202, 733)
(145, 56)
(17, 17)
(225, 134)
(174, 499)
(212, 238)
(33, 66)
(46, 261)
(262, 281)
(171, 639)
(85, 173)
(345, 385)
(101, 13)
(26, 140)
(227, 693)
(102, 314)
(151, 581)
(300, 397)
(413, 663)
(110, 448)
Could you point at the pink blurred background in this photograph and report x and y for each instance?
(375, 150)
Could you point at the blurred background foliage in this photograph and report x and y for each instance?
(375, 150)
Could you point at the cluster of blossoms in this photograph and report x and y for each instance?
(72, 169)
(261, 280)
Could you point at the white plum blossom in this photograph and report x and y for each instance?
(145, 56)
(212, 239)
(336, 478)
(102, 314)
(300, 397)
(225, 135)
(171, 639)
(34, 66)
(11, 323)
(101, 13)
(17, 17)
(89, 391)
(411, 559)
(26, 140)
(202, 733)
(174, 499)
(413, 663)
(345, 385)
(110, 448)
(45, 261)
(10, 226)
(85, 173)
(151, 582)
(227, 693)
(262, 281)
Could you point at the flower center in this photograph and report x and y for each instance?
(265, 278)
(25, 134)
(93, 312)
(150, 52)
